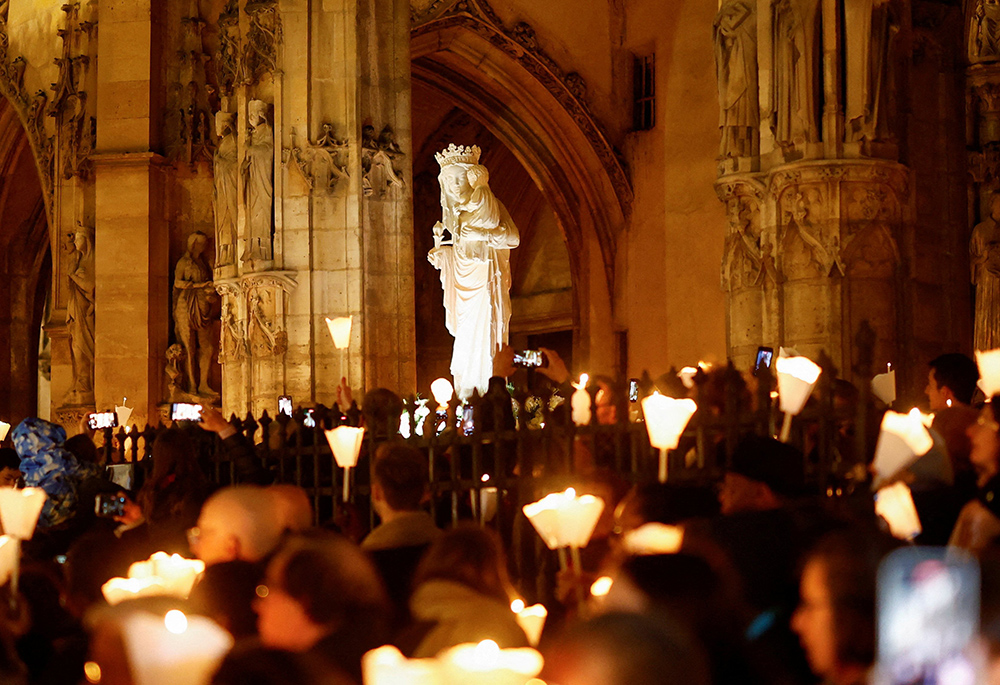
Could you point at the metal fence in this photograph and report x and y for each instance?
(518, 448)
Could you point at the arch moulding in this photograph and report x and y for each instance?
(502, 78)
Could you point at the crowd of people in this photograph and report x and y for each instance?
(766, 582)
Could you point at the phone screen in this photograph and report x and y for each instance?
(183, 411)
(764, 356)
(466, 423)
(928, 617)
(530, 359)
(285, 405)
(109, 506)
(104, 419)
(633, 389)
(309, 420)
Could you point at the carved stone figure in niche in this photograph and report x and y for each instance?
(794, 99)
(226, 167)
(873, 122)
(984, 251)
(264, 340)
(233, 345)
(803, 254)
(259, 169)
(194, 300)
(984, 32)
(377, 162)
(80, 315)
(736, 70)
(175, 373)
(744, 261)
(472, 244)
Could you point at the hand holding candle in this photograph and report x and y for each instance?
(884, 386)
(580, 402)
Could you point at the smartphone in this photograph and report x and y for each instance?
(108, 506)
(285, 405)
(467, 424)
(184, 411)
(633, 389)
(928, 617)
(309, 418)
(103, 419)
(764, 357)
(530, 359)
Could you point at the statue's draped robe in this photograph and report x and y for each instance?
(475, 276)
(984, 252)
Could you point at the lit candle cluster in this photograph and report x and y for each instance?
(484, 663)
(162, 574)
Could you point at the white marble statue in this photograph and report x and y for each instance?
(472, 244)
(80, 315)
(259, 167)
(226, 171)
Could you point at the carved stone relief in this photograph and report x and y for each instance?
(227, 56)
(735, 31)
(253, 309)
(260, 48)
(378, 155)
(194, 310)
(76, 129)
(80, 315)
(188, 124)
(794, 98)
(322, 164)
(984, 31)
(258, 170)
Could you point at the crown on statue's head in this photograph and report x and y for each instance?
(458, 154)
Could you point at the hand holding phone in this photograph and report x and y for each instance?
(763, 361)
(185, 411)
(530, 359)
(109, 506)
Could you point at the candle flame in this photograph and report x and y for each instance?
(175, 621)
(487, 655)
(517, 606)
(602, 586)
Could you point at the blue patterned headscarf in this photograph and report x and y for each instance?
(46, 464)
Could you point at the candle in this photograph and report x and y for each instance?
(902, 439)
(4, 429)
(895, 504)
(174, 648)
(884, 385)
(177, 574)
(340, 331)
(602, 586)
(563, 519)
(666, 419)
(687, 375)
(796, 378)
(387, 666)
(118, 590)
(19, 510)
(531, 619)
(124, 413)
(989, 371)
(486, 664)
(9, 551)
(580, 402)
(345, 443)
(654, 538)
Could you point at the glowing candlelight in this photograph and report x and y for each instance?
(174, 648)
(443, 391)
(564, 519)
(602, 586)
(531, 619)
(884, 385)
(118, 590)
(687, 375)
(487, 664)
(124, 413)
(340, 331)
(387, 666)
(903, 439)
(654, 538)
(580, 402)
(19, 511)
(796, 378)
(345, 443)
(4, 429)
(989, 371)
(9, 551)
(177, 574)
(895, 504)
(666, 419)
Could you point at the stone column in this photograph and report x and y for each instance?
(132, 269)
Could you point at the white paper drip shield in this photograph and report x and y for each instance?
(565, 519)
(159, 655)
(666, 419)
(895, 504)
(345, 443)
(19, 510)
(902, 439)
(796, 378)
(884, 387)
(989, 371)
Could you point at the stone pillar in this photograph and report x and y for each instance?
(344, 215)
(132, 270)
(827, 236)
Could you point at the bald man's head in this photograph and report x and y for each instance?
(294, 507)
(238, 522)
